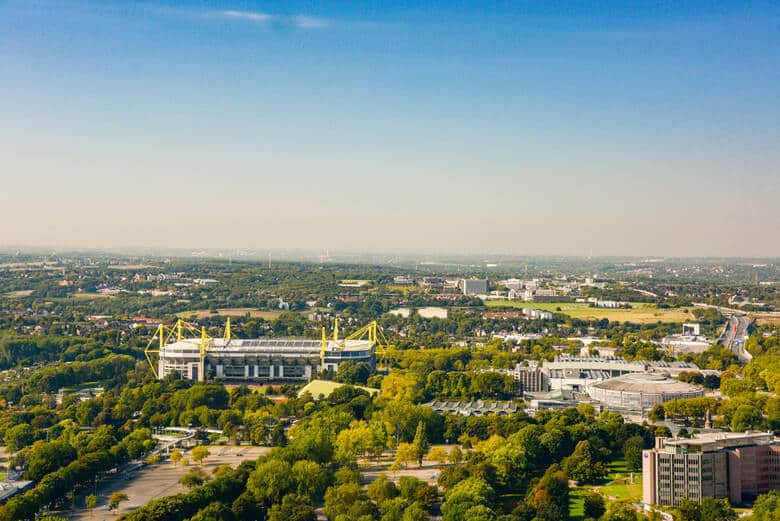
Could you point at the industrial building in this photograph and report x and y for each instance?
(733, 465)
(260, 359)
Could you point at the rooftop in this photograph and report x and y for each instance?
(646, 383)
(280, 345)
(714, 441)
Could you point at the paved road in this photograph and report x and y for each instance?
(735, 334)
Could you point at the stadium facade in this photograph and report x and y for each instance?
(261, 359)
(640, 391)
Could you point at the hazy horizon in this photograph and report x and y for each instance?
(635, 129)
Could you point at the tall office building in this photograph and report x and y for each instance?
(530, 377)
(733, 465)
(474, 286)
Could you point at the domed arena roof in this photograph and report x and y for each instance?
(647, 383)
(640, 391)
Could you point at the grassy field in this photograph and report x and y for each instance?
(88, 296)
(19, 293)
(619, 483)
(640, 313)
(326, 387)
(617, 486)
(576, 503)
(230, 312)
(772, 318)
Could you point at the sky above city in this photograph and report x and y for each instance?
(520, 127)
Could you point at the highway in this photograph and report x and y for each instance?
(734, 335)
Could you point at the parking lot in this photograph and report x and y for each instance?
(161, 480)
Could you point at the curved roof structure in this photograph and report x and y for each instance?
(639, 391)
(646, 383)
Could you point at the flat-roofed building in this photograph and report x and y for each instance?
(733, 465)
(611, 365)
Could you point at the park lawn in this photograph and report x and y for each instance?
(577, 503)
(326, 388)
(623, 491)
(617, 469)
(88, 296)
(618, 482)
(617, 486)
(640, 313)
(80, 386)
(230, 312)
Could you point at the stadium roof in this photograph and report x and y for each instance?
(646, 383)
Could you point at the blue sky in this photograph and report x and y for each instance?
(528, 127)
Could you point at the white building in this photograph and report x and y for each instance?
(641, 391)
(512, 284)
(537, 314)
(690, 341)
(609, 304)
(691, 328)
(205, 282)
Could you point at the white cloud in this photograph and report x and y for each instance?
(252, 16)
(299, 21)
(310, 22)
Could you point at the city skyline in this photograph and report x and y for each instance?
(523, 128)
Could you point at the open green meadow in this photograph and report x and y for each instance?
(577, 503)
(229, 312)
(640, 312)
(617, 487)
